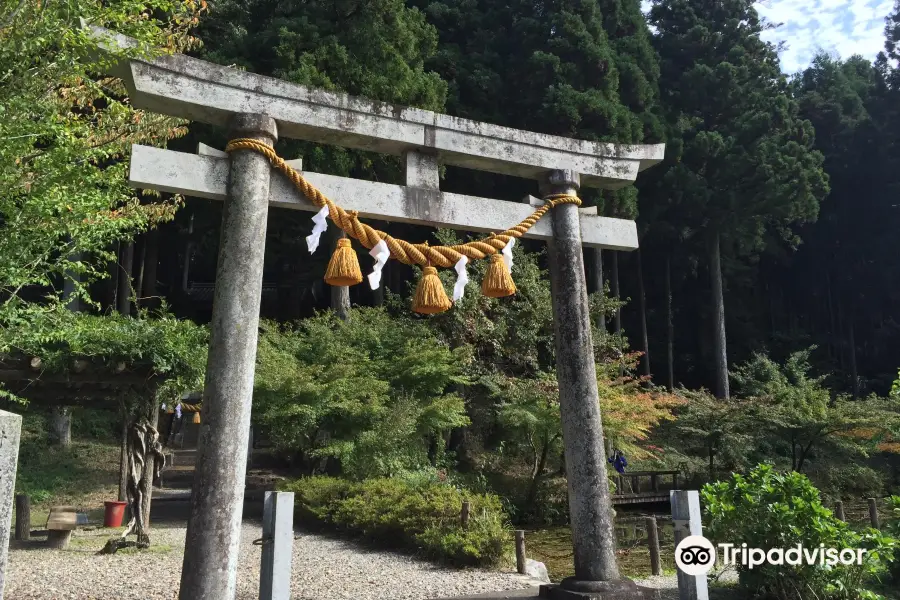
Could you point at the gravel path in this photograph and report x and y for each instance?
(668, 586)
(323, 569)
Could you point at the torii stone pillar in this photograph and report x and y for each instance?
(189, 88)
(213, 537)
(590, 509)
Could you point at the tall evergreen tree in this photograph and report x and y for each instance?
(370, 48)
(746, 169)
(841, 261)
(576, 68)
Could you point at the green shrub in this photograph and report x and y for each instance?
(421, 516)
(893, 528)
(848, 480)
(371, 394)
(103, 425)
(767, 509)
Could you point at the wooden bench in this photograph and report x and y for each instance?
(63, 520)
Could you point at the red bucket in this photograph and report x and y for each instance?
(115, 512)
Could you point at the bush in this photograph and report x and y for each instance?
(893, 527)
(372, 395)
(103, 425)
(423, 517)
(768, 510)
(848, 480)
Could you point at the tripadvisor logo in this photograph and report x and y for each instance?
(696, 555)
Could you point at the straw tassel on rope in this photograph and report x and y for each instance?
(343, 268)
(497, 282)
(430, 296)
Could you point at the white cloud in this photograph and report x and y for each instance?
(842, 27)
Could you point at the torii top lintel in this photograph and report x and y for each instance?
(189, 88)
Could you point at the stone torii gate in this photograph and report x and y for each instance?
(252, 106)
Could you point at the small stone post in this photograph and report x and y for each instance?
(10, 430)
(277, 546)
(209, 570)
(464, 514)
(686, 518)
(873, 513)
(23, 517)
(653, 544)
(590, 509)
(839, 511)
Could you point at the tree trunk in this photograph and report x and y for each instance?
(61, 426)
(793, 453)
(149, 469)
(123, 459)
(595, 280)
(139, 282)
(617, 320)
(536, 476)
(111, 285)
(670, 329)
(340, 294)
(718, 300)
(804, 452)
(126, 263)
(642, 302)
(840, 336)
(712, 463)
(72, 301)
(851, 342)
(151, 261)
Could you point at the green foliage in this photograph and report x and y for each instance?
(893, 528)
(374, 49)
(512, 336)
(175, 350)
(579, 68)
(93, 424)
(729, 105)
(718, 432)
(372, 392)
(423, 518)
(767, 509)
(795, 408)
(63, 475)
(848, 479)
(64, 132)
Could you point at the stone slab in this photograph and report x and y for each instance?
(206, 176)
(10, 432)
(189, 88)
(62, 518)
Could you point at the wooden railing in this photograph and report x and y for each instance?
(649, 483)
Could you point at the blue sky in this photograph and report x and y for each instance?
(842, 27)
